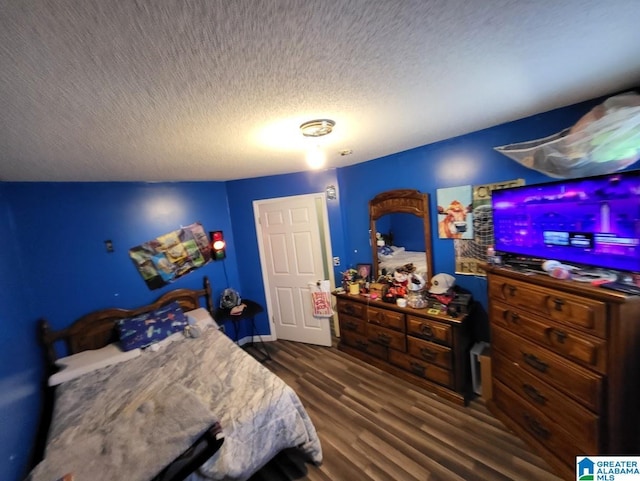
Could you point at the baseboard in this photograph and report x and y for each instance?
(249, 339)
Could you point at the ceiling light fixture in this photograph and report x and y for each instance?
(316, 158)
(317, 128)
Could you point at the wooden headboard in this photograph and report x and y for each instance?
(97, 329)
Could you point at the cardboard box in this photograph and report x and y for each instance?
(485, 373)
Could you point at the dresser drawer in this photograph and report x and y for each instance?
(588, 350)
(429, 352)
(421, 368)
(430, 330)
(386, 318)
(582, 385)
(353, 324)
(554, 438)
(576, 311)
(363, 344)
(353, 309)
(581, 424)
(387, 337)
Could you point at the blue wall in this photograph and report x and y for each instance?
(62, 228)
(20, 371)
(57, 266)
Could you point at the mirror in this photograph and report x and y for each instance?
(402, 218)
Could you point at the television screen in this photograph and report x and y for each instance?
(592, 221)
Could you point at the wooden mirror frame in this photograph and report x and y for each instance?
(406, 201)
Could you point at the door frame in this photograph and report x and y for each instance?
(326, 247)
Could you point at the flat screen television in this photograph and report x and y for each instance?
(591, 221)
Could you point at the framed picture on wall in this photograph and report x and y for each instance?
(364, 271)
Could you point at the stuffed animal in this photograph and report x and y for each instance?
(400, 282)
(403, 280)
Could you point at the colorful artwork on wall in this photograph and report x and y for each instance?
(470, 253)
(454, 213)
(168, 257)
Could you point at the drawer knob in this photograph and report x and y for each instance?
(514, 317)
(512, 290)
(428, 354)
(534, 394)
(384, 339)
(418, 368)
(363, 345)
(426, 330)
(560, 336)
(350, 326)
(534, 362)
(558, 303)
(537, 428)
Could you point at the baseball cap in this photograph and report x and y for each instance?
(441, 283)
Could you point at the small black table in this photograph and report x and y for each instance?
(249, 313)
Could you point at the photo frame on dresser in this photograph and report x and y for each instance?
(364, 271)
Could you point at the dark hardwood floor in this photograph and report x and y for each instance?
(374, 426)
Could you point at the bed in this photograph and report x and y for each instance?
(195, 408)
(391, 258)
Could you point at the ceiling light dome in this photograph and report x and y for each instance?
(316, 158)
(317, 128)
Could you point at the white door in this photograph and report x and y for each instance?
(294, 245)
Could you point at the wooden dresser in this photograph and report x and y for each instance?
(429, 350)
(565, 366)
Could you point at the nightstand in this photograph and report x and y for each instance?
(247, 315)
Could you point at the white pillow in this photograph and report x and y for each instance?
(201, 318)
(88, 361)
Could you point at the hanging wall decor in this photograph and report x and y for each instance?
(603, 141)
(471, 253)
(168, 257)
(454, 212)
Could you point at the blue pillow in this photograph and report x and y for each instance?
(150, 327)
(173, 316)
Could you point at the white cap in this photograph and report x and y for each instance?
(441, 283)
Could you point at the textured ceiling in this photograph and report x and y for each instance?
(118, 90)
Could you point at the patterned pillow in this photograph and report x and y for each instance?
(148, 328)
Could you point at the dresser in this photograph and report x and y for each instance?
(565, 366)
(428, 350)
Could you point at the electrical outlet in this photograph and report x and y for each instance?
(336, 261)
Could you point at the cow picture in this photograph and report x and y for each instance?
(455, 212)
(454, 224)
